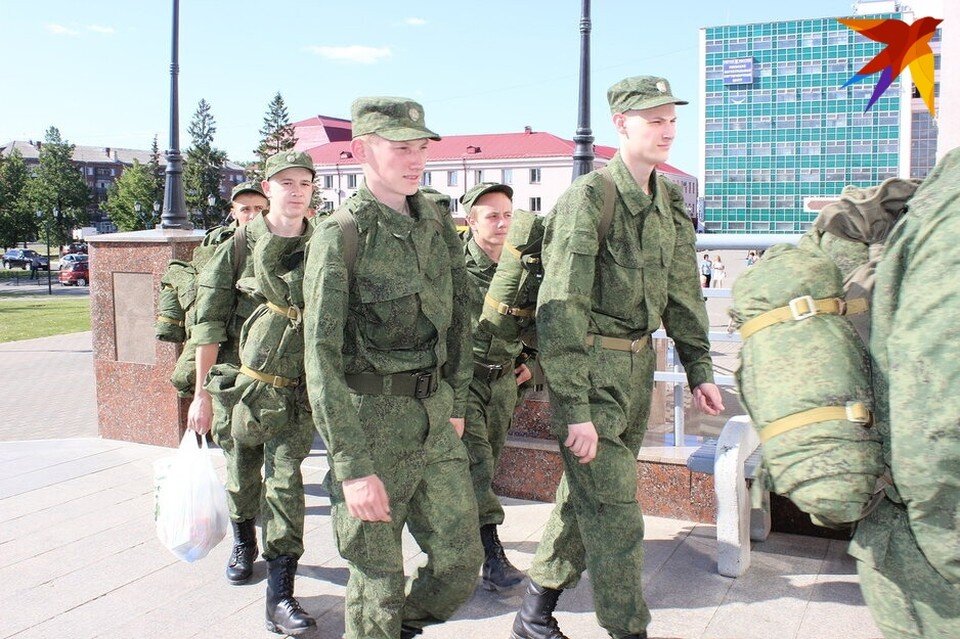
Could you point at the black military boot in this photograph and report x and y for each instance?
(535, 619)
(642, 635)
(498, 573)
(240, 564)
(409, 632)
(284, 614)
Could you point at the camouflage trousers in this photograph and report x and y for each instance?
(490, 407)
(424, 467)
(276, 495)
(596, 524)
(907, 597)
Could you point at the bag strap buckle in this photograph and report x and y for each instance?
(803, 307)
(857, 413)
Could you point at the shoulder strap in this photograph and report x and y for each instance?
(609, 200)
(351, 238)
(239, 250)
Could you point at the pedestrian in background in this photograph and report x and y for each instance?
(719, 272)
(706, 270)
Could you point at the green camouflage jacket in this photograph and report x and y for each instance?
(644, 274)
(221, 307)
(486, 347)
(405, 308)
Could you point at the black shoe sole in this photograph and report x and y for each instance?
(495, 587)
(280, 630)
(240, 582)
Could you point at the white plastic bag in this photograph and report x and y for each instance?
(190, 502)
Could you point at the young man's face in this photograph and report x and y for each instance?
(393, 168)
(289, 192)
(490, 218)
(247, 206)
(649, 133)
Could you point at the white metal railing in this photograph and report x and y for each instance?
(674, 373)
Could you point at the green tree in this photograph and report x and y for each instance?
(17, 222)
(157, 172)
(57, 190)
(202, 173)
(135, 186)
(276, 135)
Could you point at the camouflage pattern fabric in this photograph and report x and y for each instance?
(182, 283)
(910, 547)
(222, 310)
(644, 272)
(270, 343)
(177, 290)
(852, 232)
(491, 403)
(406, 308)
(519, 279)
(829, 469)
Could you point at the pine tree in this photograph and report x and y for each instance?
(157, 172)
(276, 135)
(203, 170)
(17, 221)
(57, 190)
(135, 186)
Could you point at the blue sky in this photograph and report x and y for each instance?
(99, 70)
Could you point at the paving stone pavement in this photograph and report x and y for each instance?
(79, 557)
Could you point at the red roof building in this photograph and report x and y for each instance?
(538, 165)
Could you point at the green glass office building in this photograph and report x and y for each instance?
(780, 135)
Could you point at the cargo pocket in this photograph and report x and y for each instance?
(391, 306)
(370, 545)
(619, 280)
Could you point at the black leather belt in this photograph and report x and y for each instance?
(490, 372)
(418, 384)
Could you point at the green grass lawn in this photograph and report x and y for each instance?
(29, 318)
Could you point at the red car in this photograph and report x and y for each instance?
(77, 274)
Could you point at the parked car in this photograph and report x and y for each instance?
(22, 258)
(75, 273)
(73, 258)
(74, 247)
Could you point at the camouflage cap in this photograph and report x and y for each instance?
(442, 200)
(246, 187)
(395, 119)
(288, 160)
(640, 92)
(471, 196)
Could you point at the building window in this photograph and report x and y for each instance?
(535, 203)
(351, 180)
(535, 179)
(426, 179)
(506, 176)
(327, 205)
(478, 176)
(454, 204)
(451, 178)
(328, 181)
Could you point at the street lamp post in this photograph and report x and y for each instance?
(583, 151)
(137, 207)
(211, 200)
(174, 203)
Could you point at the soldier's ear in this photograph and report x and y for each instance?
(618, 123)
(359, 150)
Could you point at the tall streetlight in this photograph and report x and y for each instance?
(137, 208)
(211, 200)
(583, 151)
(174, 203)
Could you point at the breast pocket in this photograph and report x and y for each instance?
(619, 280)
(390, 308)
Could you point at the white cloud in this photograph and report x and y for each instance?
(415, 22)
(96, 28)
(59, 29)
(353, 53)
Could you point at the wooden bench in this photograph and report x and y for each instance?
(734, 461)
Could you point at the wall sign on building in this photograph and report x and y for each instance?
(738, 71)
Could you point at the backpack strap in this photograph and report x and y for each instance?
(351, 238)
(239, 251)
(609, 200)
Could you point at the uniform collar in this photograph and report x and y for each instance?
(479, 255)
(636, 200)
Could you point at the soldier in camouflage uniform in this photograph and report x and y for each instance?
(496, 374)
(388, 365)
(599, 302)
(908, 548)
(222, 309)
